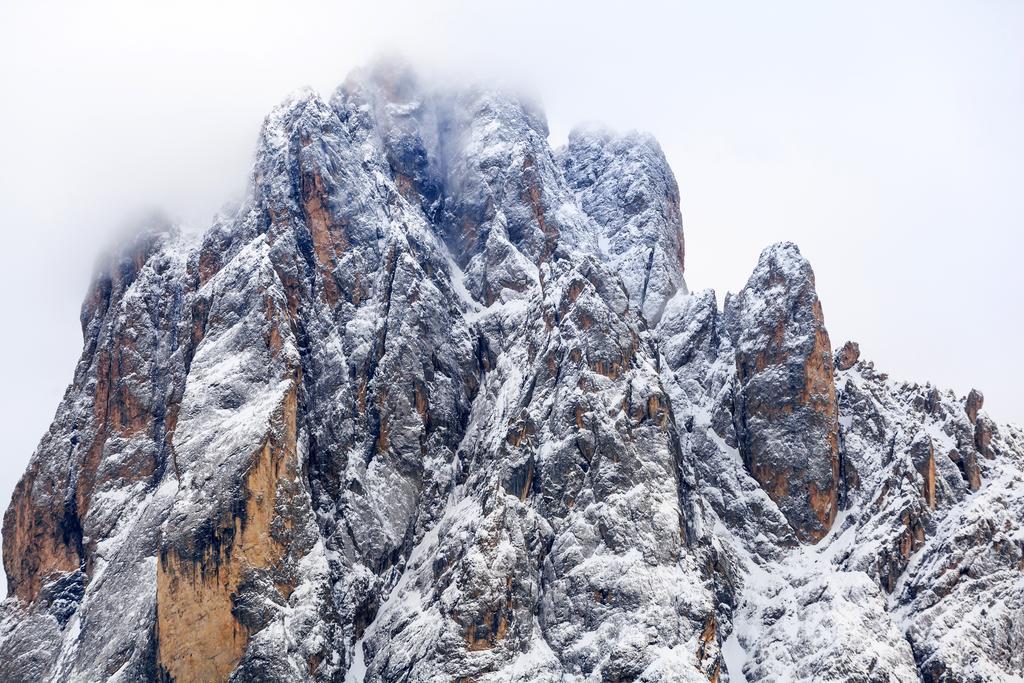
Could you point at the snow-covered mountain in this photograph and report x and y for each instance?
(434, 403)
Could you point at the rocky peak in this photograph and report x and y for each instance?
(477, 164)
(434, 403)
(847, 356)
(975, 400)
(117, 269)
(786, 414)
(624, 183)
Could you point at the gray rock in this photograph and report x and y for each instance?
(434, 403)
(786, 411)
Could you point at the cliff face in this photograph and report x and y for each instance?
(785, 412)
(435, 403)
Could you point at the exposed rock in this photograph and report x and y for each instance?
(975, 400)
(848, 356)
(967, 460)
(625, 185)
(786, 412)
(922, 455)
(984, 432)
(434, 403)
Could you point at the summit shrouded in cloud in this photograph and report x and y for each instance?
(434, 402)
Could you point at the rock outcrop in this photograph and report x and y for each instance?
(847, 356)
(786, 414)
(625, 185)
(975, 400)
(434, 403)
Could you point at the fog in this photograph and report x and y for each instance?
(885, 141)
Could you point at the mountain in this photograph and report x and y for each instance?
(434, 403)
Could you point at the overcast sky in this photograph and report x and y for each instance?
(883, 138)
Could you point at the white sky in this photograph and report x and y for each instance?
(883, 138)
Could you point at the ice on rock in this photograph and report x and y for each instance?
(434, 403)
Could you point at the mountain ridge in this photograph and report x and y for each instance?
(435, 403)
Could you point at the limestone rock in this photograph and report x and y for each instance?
(433, 402)
(847, 356)
(786, 411)
(975, 400)
(625, 185)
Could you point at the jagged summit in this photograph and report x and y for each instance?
(785, 412)
(625, 185)
(435, 403)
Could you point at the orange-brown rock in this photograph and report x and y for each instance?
(48, 530)
(895, 559)
(967, 460)
(983, 432)
(922, 454)
(707, 638)
(975, 400)
(329, 240)
(39, 542)
(199, 637)
(848, 356)
(786, 415)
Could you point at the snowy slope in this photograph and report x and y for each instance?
(435, 403)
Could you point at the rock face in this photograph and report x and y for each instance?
(848, 356)
(624, 183)
(434, 403)
(975, 400)
(786, 414)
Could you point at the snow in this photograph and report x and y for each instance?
(357, 671)
(735, 657)
(458, 280)
(593, 375)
